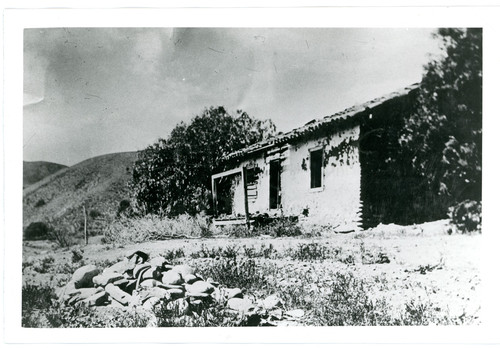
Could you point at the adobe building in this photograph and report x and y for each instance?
(339, 171)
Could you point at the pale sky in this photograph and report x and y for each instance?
(93, 91)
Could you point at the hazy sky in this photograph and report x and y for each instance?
(89, 92)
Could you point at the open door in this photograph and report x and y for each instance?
(274, 184)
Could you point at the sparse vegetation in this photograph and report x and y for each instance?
(153, 227)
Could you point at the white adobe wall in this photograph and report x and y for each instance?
(337, 203)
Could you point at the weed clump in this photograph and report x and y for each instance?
(466, 216)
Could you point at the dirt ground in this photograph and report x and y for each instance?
(425, 262)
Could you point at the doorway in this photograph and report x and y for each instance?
(274, 184)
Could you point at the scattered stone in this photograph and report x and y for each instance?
(120, 267)
(272, 301)
(157, 292)
(276, 314)
(115, 304)
(140, 285)
(106, 278)
(183, 270)
(234, 293)
(200, 287)
(213, 282)
(241, 305)
(191, 278)
(176, 293)
(83, 276)
(197, 294)
(150, 303)
(140, 268)
(98, 299)
(295, 313)
(149, 283)
(82, 294)
(118, 294)
(158, 261)
(170, 286)
(63, 292)
(152, 273)
(121, 283)
(171, 277)
(218, 295)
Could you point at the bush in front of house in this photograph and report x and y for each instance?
(36, 231)
(466, 216)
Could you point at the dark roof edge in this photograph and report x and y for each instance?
(315, 124)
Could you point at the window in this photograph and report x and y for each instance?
(316, 165)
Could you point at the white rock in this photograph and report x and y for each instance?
(183, 270)
(139, 269)
(82, 278)
(171, 278)
(176, 293)
(117, 294)
(200, 287)
(106, 278)
(295, 313)
(149, 283)
(150, 303)
(241, 305)
(158, 261)
(82, 294)
(97, 299)
(272, 301)
(235, 292)
(191, 278)
(120, 267)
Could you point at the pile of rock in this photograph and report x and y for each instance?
(138, 282)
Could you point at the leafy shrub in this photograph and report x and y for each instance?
(229, 251)
(94, 213)
(308, 252)
(39, 203)
(174, 254)
(231, 272)
(173, 174)
(76, 255)
(373, 257)
(35, 298)
(36, 231)
(44, 265)
(278, 227)
(466, 216)
(264, 252)
(123, 207)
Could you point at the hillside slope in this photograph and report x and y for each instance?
(36, 171)
(99, 184)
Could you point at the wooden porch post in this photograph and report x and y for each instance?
(214, 195)
(245, 194)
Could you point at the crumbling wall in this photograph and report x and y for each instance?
(337, 201)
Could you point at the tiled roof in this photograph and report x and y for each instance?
(318, 123)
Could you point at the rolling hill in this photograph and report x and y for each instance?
(99, 184)
(36, 171)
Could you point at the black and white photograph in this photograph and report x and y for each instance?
(236, 176)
